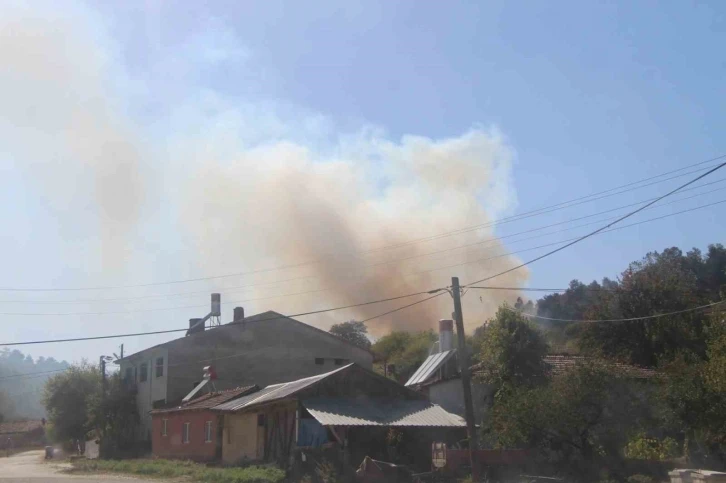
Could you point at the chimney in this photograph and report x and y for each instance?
(239, 314)
(446, 335)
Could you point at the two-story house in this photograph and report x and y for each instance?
(263, 349)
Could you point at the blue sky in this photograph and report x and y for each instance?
(573, 98)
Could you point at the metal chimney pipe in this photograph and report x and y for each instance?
(446, 335)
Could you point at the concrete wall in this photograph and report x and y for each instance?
(258, 352)
(153, 389)
(449, 395)
(242, 439)
(171, 445)
(262, 353)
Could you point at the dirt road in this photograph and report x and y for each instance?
(30, 467)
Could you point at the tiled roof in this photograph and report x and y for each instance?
(207, 401)
(559, 364)
(20, 426)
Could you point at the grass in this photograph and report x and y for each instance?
(176, 469)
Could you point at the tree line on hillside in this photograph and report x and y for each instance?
(21, 392)
(594, 421)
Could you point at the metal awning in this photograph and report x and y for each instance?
(375, 412)
(429, 366)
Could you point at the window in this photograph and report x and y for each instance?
(319, 361)
(340, 362)
(159, 366)
(143, 372)
(208, 432)
(129, 374)
(185, 432)
(164, 423)
(229, 435)
(260, 420)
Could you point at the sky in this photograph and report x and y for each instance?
(154, 142)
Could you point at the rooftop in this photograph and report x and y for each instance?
(560, 363)
(207, 401)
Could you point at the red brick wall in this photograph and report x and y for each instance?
(171, 446)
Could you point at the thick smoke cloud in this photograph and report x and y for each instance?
(281, 200)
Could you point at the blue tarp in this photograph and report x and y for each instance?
(312, 433)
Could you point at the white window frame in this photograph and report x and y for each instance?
(208, 432)
(164, 427)
(186, 429)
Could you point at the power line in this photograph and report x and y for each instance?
(565, 204)
(404, 307)
(595, 232)
(169, 331)
(386, 262)
(513, 252)
(479, 260)
(630, 319)
(531, 289)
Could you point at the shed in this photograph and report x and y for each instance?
(350, 407)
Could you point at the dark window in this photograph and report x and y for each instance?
(159, 366)
(164, 423)
(129, 375)
(143, 372)
(260, 420)
(185, 432)
(319, 361)
(208, 432)
(340, 362)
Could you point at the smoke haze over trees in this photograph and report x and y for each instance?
(24, 393)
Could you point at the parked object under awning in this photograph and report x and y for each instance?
(373, 412)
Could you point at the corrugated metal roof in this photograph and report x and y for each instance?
(207, 401)
(274, 392)
(12, 427)
(561, 363)
(374, 412)
(429, 366)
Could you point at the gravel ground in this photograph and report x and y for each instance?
(31, 467)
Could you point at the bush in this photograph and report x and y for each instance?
(643, 448)
(177, 469)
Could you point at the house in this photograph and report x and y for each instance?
(23, 433)
(263, 349)
(350, 408)
(439, 379)
(192, 430)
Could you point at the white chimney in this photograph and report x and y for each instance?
(446, 335)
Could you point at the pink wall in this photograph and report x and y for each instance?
(171, 446)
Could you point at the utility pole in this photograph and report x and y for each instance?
(463, 357)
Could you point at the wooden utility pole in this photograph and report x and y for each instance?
(463, 356)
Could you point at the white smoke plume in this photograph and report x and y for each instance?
(278, 201)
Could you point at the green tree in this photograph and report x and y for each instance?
(660, 283)
(115, 417)
(577, 421)
(68, 399)
(352, 331)
(404, 350)
(510, 350)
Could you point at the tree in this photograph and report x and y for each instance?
(660, 283)
(510, 350)
(115, 418)
(68, 400)
(404, 350)
(576, 421)
(352, 331)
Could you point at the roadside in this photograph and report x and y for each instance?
(31, 467)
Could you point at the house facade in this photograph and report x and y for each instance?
(192, 431)
(263, 349)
